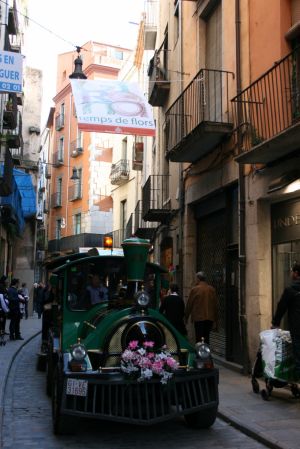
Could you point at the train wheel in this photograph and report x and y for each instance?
(62, 424)
(201, 420)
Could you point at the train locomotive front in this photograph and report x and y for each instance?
(118, 358)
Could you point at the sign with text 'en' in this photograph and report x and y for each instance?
(10, 71)
(112, 106)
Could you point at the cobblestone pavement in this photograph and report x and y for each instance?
(27, 421)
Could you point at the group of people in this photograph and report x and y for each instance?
(13, 305)
(201, 307)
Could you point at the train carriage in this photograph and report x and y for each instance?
(115, 357)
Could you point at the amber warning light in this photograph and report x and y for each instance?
(107, 242)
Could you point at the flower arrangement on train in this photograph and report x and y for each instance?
(142, 362)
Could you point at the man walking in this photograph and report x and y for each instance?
(14, 300)
(203, 308)
(290, 303)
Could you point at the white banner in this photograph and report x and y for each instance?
(11, 65)
(110, 106)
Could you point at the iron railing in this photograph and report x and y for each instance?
(142, 228)
(59, 122)
(56, 199)
(73, 242)
(119, 172)
(118, 237)
(155, 195)
(129, 231)
(205, 99)
(271, 104)
(76, 147)
(151, 8)
(75, 191)
(58, 158)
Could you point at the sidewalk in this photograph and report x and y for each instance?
(275, 423)
(29, 328)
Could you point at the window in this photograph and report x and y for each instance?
(64, 75)
(61, 149)
(59, 191)
(119, 55)
(123, 215)
(77, 224)
(58, 229)
(124, 148)
(176, 21)
(78, 184)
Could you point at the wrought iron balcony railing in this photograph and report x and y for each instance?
(15, 139)
(74, 242)
(156, 205)
(75, 192)
(76, 148)
(267, 113)
(159, 83)
(141, 228)
(58, 158)
(59, 122)
(119, 172)
(10, 113)
(56, 199)
(199, 119)
(129, 231)
(118, 237)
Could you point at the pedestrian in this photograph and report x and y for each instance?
(14, 300)
(40, 293)
(4, 309)
(202, 307)
(290, 303)
(172, 307)
(3, 291)
(24, 291)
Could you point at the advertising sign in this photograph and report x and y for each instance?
(110, 106)
(10, 71)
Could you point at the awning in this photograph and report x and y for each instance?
(12, 212)
(28, 194)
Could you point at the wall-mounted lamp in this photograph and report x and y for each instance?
(75, 176)
(290, 182)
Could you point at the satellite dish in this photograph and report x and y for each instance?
(63, 223)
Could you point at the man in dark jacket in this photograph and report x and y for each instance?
(290, 303)
(14, 300)
(172, 307)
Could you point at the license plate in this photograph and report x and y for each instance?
(77, 387)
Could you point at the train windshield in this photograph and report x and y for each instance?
(90, 283)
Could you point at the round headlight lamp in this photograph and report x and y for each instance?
(202, 351)
(142, 298)
(78, 352)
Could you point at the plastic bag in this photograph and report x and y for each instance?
(277, 354)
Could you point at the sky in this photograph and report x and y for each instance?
(71, 23)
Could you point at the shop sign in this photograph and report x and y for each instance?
(285, 219)
(11, 71)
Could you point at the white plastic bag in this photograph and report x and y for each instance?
(277, 354)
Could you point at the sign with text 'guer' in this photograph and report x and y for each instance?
(11, 65)
(112, 106)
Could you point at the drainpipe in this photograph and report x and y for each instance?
(241, 202)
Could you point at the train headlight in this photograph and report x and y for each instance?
(203, 356)
(142, 298)
(78, 352)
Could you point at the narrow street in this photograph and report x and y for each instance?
(27, 421)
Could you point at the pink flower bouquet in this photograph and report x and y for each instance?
(143, 363)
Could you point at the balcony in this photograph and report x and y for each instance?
(13, 25)
(41, 239)
(58, 159)
(56, 200)
(75, 192)
(59, 122)
(74, 242)
(6, 175)
(156, 205)
(47, 172)
(76, 148)
(150, 31)
(159, 84)
(141, 228)
(129, 231)
(198, 121)
(267, 114)
(10, 113)
(119, 172)
(14, 139)
(137, 156)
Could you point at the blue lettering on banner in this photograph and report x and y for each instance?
(10, 87)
